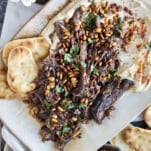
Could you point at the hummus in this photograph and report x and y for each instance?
(133, 59)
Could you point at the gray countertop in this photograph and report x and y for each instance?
(16, 16)
(3, 4)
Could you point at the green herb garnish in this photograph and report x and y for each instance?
(67, 96)
(83, 64)
(82, 106)
(47, 104)
(65, 129)
(59, 89)
(94, 69)
(120, 24)
(119, 27)
(70, 105)
(90, 20)
(75, 67)
(68, 58)
(149, 46)
(91, 41)
(114, 73)
(74, 50)
(69, 28)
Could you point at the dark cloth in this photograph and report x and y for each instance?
(3, 4)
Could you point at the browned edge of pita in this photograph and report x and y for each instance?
(133, 139)
(39, 47)
(5, 91)
(22, 70)
(147, 116)
(137, 138)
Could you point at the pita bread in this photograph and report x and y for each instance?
(133, 139)
(147, 116)
(6, 92)
(39, 47)
(1, 62)
(22, 70)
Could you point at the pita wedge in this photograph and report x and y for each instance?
(133, 139)
(6, 92)
(38, 46)
(22, 70)
(147, 116)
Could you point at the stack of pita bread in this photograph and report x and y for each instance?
(21, 59)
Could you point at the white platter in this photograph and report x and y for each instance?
(15, 116)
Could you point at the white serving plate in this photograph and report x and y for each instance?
(15, 116)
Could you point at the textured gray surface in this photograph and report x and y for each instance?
(0, 136)
(3, 4)
(16, 16)
(1, 141)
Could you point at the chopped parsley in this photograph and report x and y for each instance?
(91, 41)
(68, 58)
(75, 67)
(114, 73)
(83, 64)
(90, 20)
(59, 89)
(69, 28)
(120, 24)
(74, 50)
(65, 129)
(149, 46)
(70, 105)
(82, 106)
(67, 96)
(93, 69)
(47, 104)
(119, 27)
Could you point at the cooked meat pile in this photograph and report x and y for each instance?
(80, 81)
